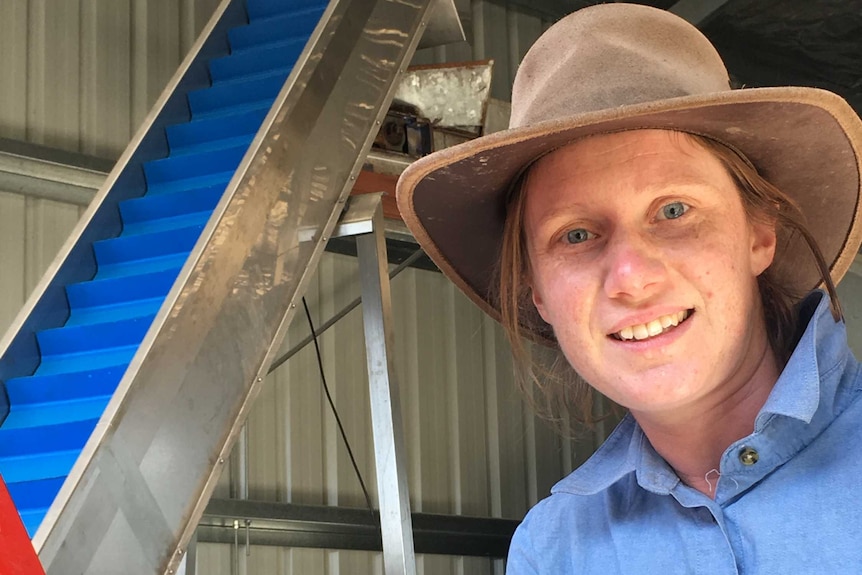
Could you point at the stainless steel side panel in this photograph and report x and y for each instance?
(444, 25)
(142, 483)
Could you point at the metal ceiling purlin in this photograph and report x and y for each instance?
(157, 452)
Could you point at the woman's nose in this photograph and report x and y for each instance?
(635, 268)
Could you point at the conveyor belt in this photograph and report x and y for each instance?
(54, 410)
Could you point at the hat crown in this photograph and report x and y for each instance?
(612, 55)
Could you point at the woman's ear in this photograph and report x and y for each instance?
(763, 243)
(538, 302)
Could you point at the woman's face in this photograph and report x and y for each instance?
(645, 264)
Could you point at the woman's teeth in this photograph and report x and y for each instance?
(653, 328)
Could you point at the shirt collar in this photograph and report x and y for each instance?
(808, 383)
(614, 459)
(821, 348)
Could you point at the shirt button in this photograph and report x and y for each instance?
(748, 456)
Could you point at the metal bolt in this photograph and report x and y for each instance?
(324, 238)
(259, 379)
(220, 460)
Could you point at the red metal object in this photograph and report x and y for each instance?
(17, 556)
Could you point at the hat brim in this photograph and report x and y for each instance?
(805, 141)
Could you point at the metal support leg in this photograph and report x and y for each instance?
(189, 564)
(239, 478)
(395, 521)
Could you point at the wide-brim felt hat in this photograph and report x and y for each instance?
(615, 67)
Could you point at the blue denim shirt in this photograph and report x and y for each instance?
(797, 510)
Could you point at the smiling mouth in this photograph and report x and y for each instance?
(658, 326)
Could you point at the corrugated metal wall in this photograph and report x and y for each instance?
(31, 232)
(80, 75)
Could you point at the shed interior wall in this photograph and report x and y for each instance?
(80, 75)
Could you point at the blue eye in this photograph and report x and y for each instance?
(578, 236)
(674, 210)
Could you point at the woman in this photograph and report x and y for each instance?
(662, 233)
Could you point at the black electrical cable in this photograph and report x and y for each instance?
(334, 319)
(335, 411)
